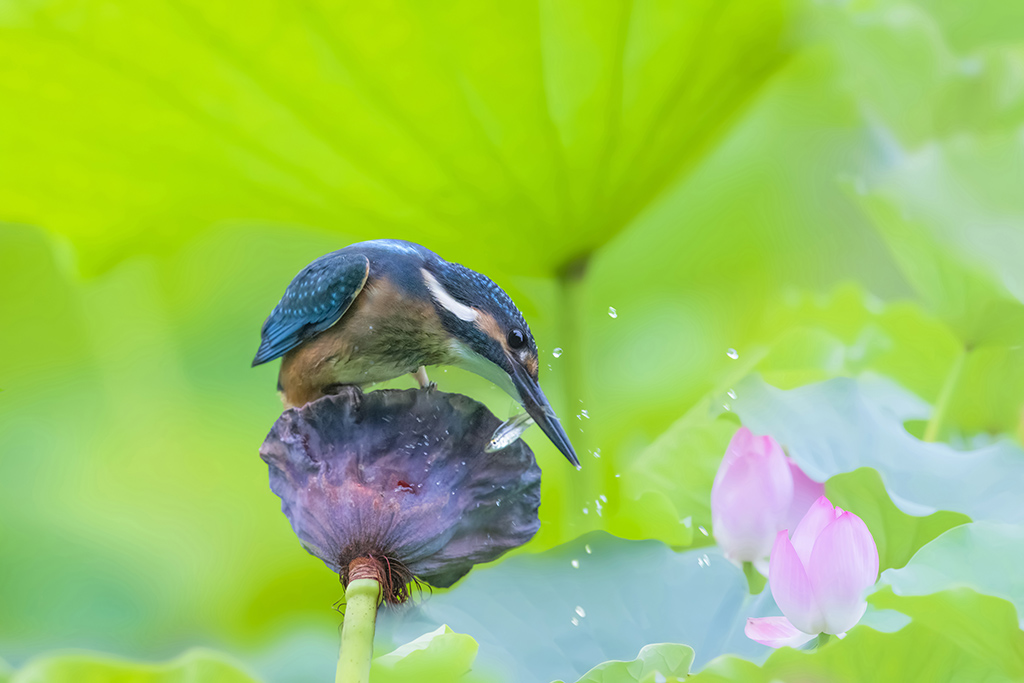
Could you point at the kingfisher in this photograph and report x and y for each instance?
(377, 310)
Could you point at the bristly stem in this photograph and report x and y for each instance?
(356, 653)
(931, 430)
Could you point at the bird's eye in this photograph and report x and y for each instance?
(516, 338)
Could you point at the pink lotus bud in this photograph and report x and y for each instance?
(805, 492)
(757, 491)
(818, 578)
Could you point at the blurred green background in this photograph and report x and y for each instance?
(722, 174)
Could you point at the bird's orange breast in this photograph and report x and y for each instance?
(383, 335)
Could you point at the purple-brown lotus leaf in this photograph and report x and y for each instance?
(403, 476)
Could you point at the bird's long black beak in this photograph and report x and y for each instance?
(536, 404)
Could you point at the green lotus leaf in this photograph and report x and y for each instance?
(195, 666)
(441, 655)
(455, 125)
(983, 556)
(897, 534)
(954, 636)
(660, 662)
(969, 277)
(926, 70)
(842, 424)
(554, 615)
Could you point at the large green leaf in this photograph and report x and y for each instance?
(841, 425)
(981, 625)
(849, 332)
(555, 614)
(984, 556)
(455, 124)
(946, 103)
(954, 637)
(923, 70)
(970, 277)
(195, 666)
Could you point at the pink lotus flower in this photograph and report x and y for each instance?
(757, 492)
(819, 578)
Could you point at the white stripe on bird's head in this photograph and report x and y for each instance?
(441, 296)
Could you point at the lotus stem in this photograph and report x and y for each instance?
(362, 595)
(931, 430)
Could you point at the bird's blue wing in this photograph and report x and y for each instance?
(316, 299)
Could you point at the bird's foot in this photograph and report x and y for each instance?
(421, 378)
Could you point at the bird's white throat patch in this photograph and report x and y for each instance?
(468, 359)
(441, 295)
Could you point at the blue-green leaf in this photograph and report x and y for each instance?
(838, 426)
(598, 598)
(984, 556)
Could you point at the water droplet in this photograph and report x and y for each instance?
(586, 511)
(597, 452)
(575, 564)
(604, 498)
(731, 393)
(557, 352)
(580, 612)
(575, 621)
(498, 503)
(659, 677)
(587, 548)
(732, 353)
(612, 312)
(702, 530)
(584, 414)
(726, 406)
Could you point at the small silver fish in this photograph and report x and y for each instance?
(508, 432)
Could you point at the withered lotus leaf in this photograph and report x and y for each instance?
(402, 476)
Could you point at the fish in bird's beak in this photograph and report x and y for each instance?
(537, 406)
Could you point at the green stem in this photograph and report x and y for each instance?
(823, 638)
(361, 598)
(587, 482)
(931, 430)
(755, 581)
